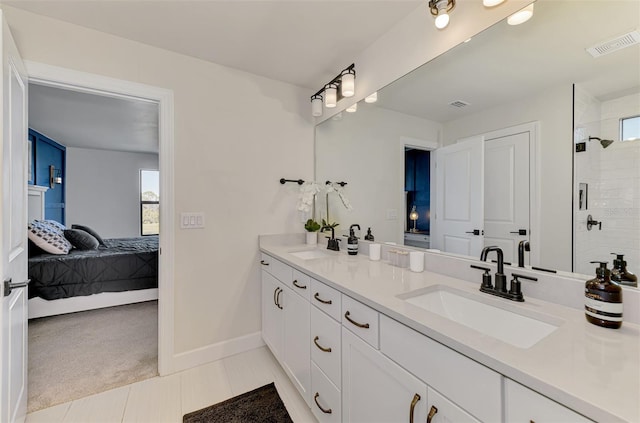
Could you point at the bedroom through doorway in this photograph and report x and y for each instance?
(94, 169)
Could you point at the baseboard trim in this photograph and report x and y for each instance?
(213, 352)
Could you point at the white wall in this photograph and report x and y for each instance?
(553, 109)
(236, 135)
(103, 190)
(365, 150)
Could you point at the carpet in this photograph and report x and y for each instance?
(262, 405)
(75, 355)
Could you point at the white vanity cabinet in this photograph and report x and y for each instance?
(286, 325)
(522, 405)
(375, 389)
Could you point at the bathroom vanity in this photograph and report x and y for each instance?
(367, 341)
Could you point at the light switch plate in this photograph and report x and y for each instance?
(192, 220)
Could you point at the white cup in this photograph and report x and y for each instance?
(416, 261)
(374, 252)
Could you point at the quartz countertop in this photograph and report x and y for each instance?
(592, 370)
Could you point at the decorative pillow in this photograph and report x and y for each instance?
(90, 232)
(47, 238)
(57, 225)
(81, 240)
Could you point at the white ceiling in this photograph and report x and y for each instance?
(301, 42)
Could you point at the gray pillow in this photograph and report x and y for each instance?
(89, 231)
(81, 240)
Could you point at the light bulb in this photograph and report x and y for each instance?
(491, 3)
(348, 85)
(521, 16)
(330, 95)
(442, 20)
(371, 98)
(316, 105)
(353, 108)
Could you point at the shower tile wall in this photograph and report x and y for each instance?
(613, 178)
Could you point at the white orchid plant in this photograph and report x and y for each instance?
(308, 192)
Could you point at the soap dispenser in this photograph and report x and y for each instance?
(352, 241)
(369, 235)
(620, 274)
(603, 299)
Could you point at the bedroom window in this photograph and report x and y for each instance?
(149, 202)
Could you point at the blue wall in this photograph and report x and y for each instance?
(417, 183)
(47, 152)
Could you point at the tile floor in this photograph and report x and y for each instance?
(166, 399)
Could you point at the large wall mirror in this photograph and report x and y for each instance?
(480, 144)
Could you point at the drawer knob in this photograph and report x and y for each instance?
(360, 325)
(415, 400)
(317, 297)
(315, 341)
(432, 413)
(295, 283)
(324, 410)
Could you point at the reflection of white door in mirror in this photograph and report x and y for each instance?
(458, 223)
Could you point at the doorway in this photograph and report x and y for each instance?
(82, 82)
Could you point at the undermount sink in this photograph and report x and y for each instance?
(476, 312)
(309, 254)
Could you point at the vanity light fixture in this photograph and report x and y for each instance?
(316, 105)
(353, 108)
(492, 3)
(440, 10)
(521, 16)
(371, 98)
(343, 85)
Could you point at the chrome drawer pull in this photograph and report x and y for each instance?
(278, 298)
(325, 411)
(317, 297)
(315, 341)
(295, 283)
(264, 263)
(360, 325)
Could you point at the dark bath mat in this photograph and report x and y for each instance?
(262, 405)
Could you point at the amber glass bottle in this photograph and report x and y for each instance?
(620, 274)
(603, 299)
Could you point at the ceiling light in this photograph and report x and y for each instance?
(316, 105)
(521, 16)
(330, 95)
(440, 9)
(491, 3)
(348, 82)
(353, 108)
(371, 98)
(343, 85)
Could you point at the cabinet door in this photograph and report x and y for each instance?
(375, 389)
(272, 314)
(522, 405)
(297, 342)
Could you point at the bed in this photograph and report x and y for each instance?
(122, 271)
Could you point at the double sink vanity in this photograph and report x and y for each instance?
(366, 341)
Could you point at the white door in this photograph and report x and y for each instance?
(13, 206)
(297, 341)
(506, 201)
(459, 198)
(272, 314)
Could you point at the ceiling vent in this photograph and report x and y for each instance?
(459, 104)
(615, 44)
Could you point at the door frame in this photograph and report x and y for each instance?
(534, 186)
(84, 82)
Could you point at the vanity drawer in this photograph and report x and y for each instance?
(276, 268)
(326, 299)
(524, 405)
(300, 284)
(361, 320)
(324, 396)
(325, 335)
(470, 385)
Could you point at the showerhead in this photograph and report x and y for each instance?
(604, 143)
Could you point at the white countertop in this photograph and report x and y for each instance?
(592, 370)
